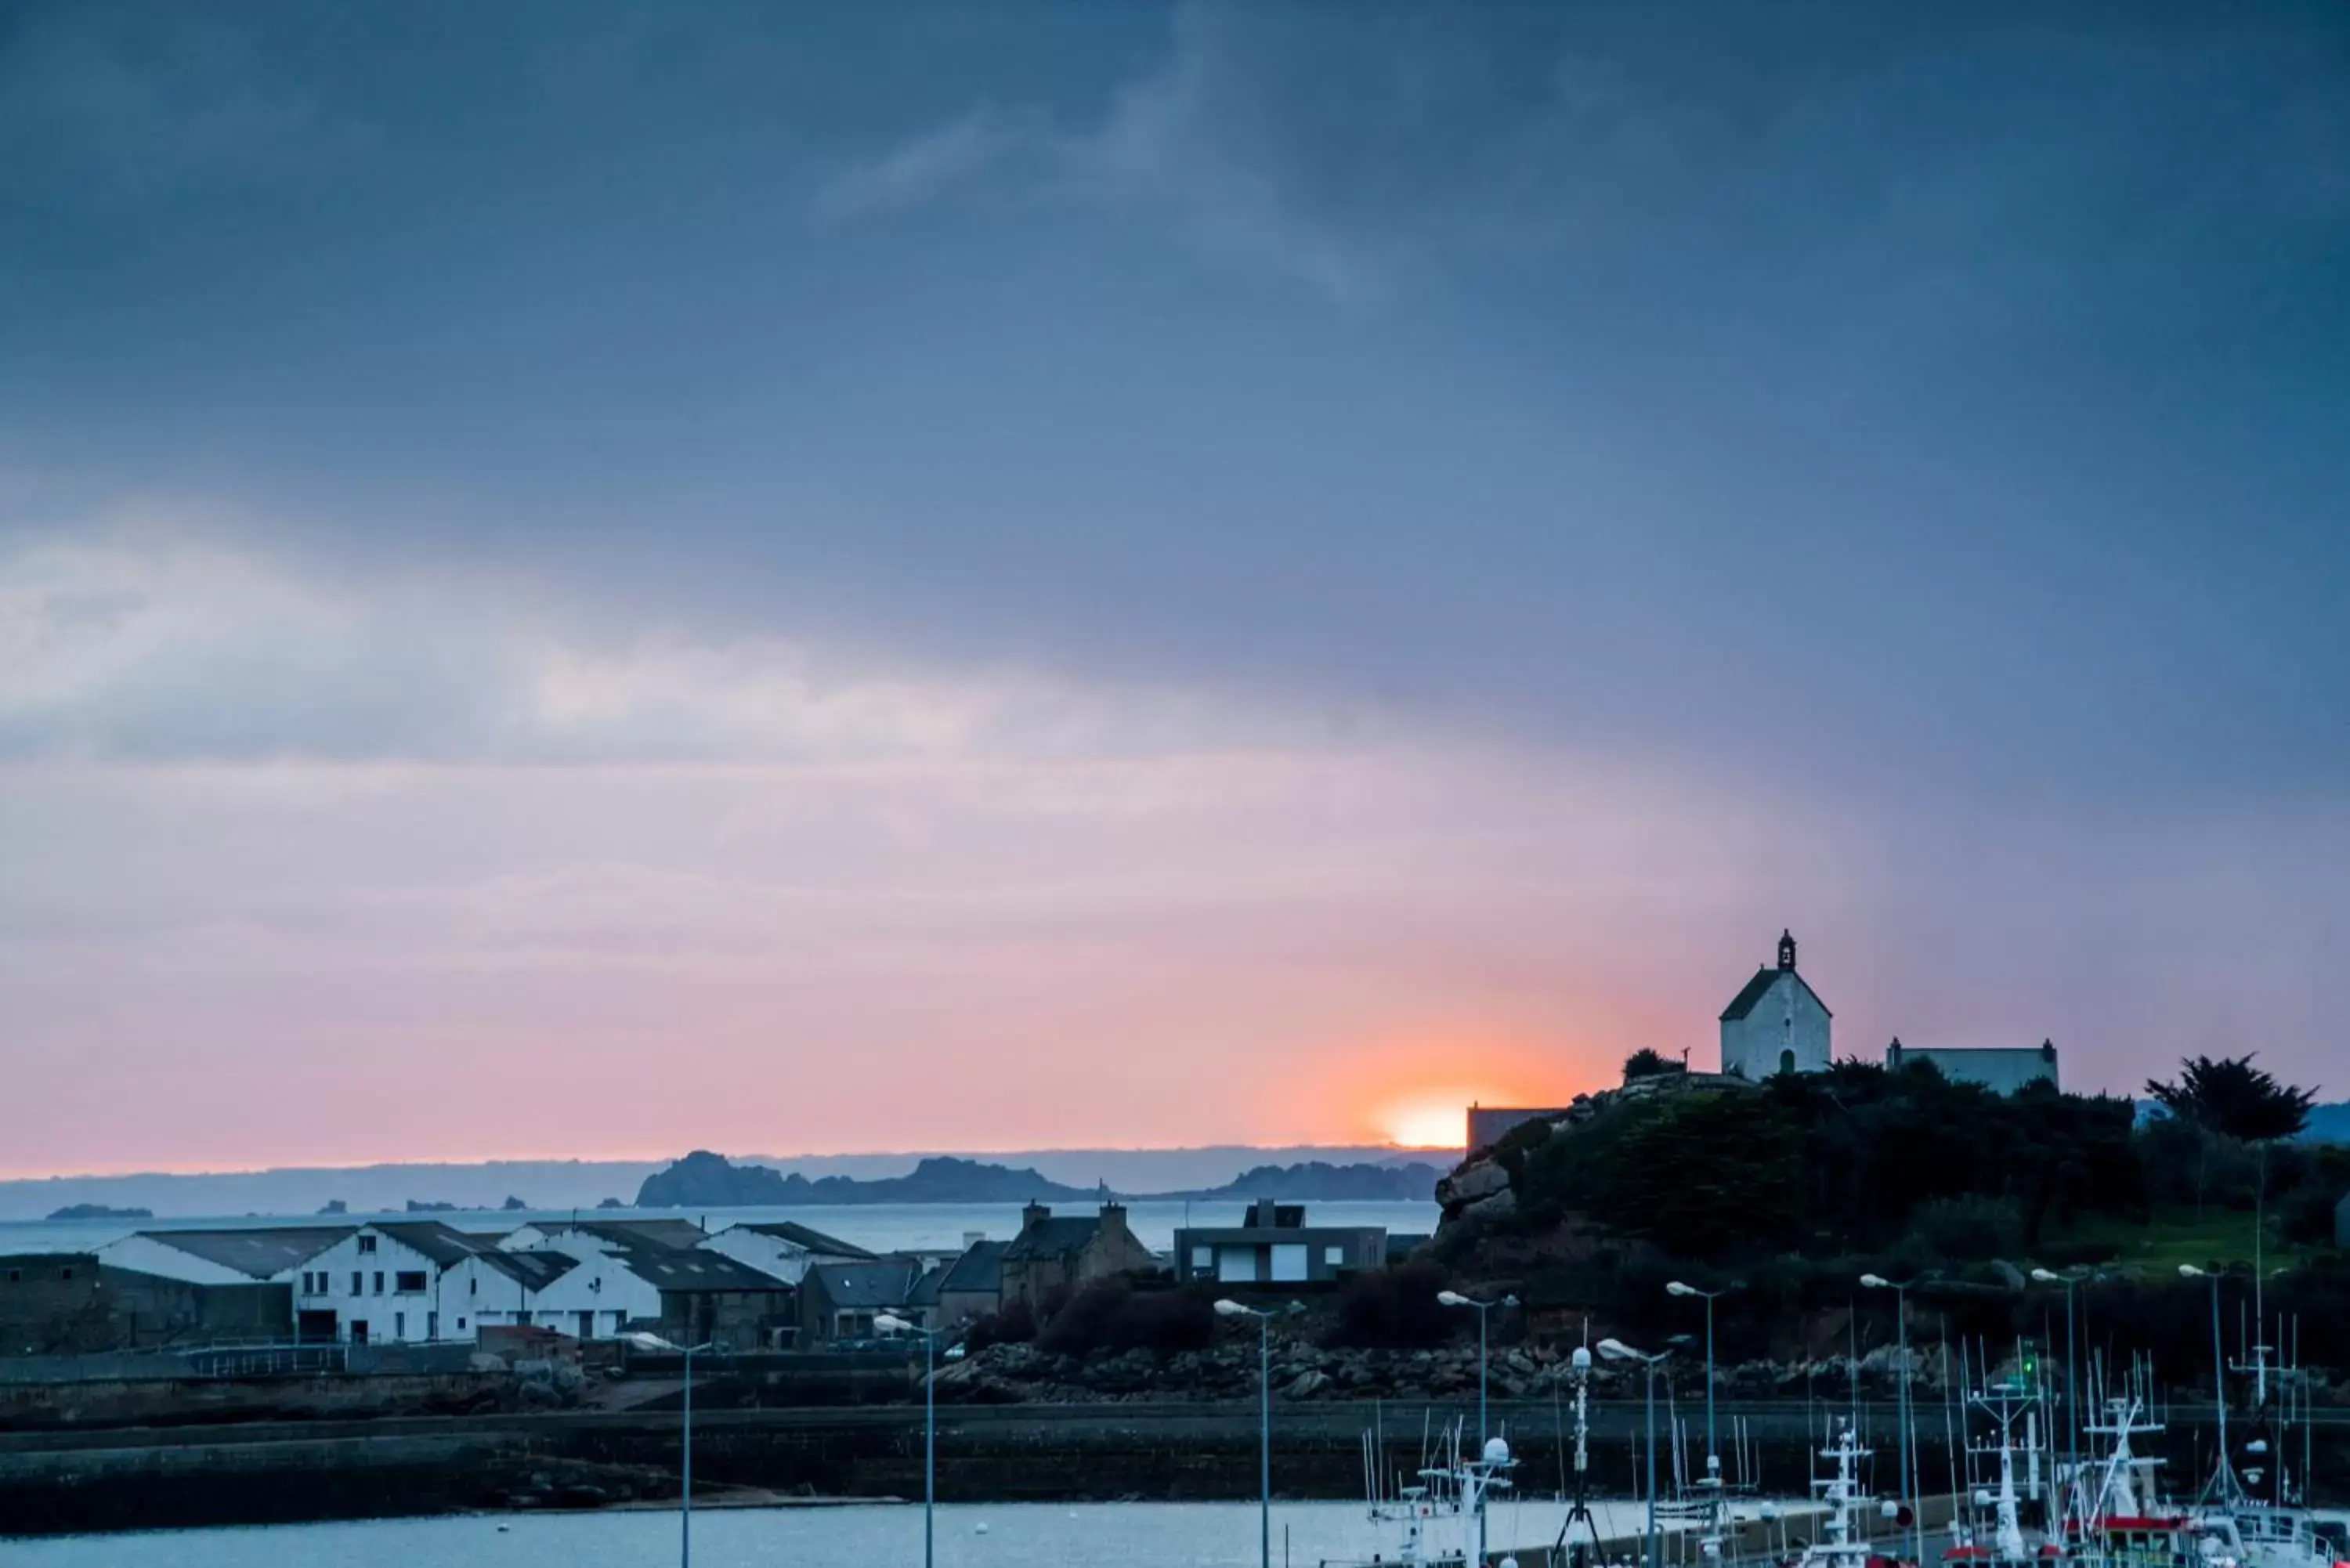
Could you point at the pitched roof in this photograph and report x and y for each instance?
(981, 1267)
(1760, 986)
(883, 1284)
(259, 1251)
(925, 1290)
(677, 1235)
(444, 1244)
(534, 1270)
(813, 1241)
(1053, 1238)
(686, 1268)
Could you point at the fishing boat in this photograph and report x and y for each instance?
(1438, 1519)
(1842, 1544)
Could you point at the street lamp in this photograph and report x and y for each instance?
(658, 1345)
(2068, 1279)
(2226, 1478)
(1455, 1298)
(1264, 1418)
(1900, 1290)
(1616, 1350)
(889, 1323)
(1712, 1452)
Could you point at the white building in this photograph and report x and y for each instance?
(1777, 1023)
(784, 1248)
(619, 1269)
(382, 1284)
(272, 1253)
(2004, 1068)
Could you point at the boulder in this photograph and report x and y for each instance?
(1480, 1178)
(1492, 1206)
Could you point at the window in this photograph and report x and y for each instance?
(473, 1288)
(408, 1282)
(367, 1243)
(431, 1325)
(65, 1273)
(1335, 1256)
(379, 1282)
(356, 1283)
(400, 1325)
(1204, 1257)
(461, 1325)
(16, 1276)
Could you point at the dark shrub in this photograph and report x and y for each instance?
(1113, 1316)
(1015, 1324)
(1393, 1309)
(1969, 1228)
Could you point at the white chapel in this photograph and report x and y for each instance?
(1777, 1023)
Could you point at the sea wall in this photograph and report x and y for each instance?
(276, 1472)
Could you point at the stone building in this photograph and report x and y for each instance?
(1053, 1251)
(77, 1303)
(840, 1301)
(1776, 1024)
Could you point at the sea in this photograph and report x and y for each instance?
(877, 1227)
(1019, 1535)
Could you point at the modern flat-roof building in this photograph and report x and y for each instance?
(1274, 1244)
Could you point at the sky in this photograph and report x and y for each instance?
(590, 579)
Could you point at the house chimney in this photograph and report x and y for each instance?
(1034, 1214)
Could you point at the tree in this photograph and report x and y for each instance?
(1647, 1063)
(2232, 1098)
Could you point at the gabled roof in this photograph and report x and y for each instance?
(444, 1244)
(1053, 1238)
(925, 1290)
(533, 1269)
(688, 1269)
(886, 1283)
(258, 1251)
(981, 1267)
(676, 1235)
(1760, 986)
(813, 1241)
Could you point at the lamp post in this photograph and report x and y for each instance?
(889, 1323)
(655, 1343)
(1712, 1452)
(1265, 1418)
(1455, 1298)
(2069, 1279)
(2226, 1477)
(1900, 1290)
(1616, 1350)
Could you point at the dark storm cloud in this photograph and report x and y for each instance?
(1957, 393)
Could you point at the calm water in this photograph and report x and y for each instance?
(879, 1226)
(1098, 1535)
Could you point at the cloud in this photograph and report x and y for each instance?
(113, 103)
(1355, 158)
(952, 156)
(152, 642)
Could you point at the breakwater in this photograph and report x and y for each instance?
(284, 1471)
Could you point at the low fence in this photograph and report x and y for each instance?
(242, 1360)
